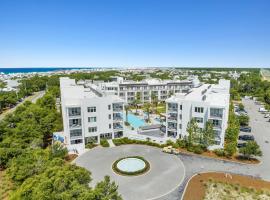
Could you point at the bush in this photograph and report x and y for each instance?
(104, 143)
(219, 152)
(198, 150)
(230, 149)
(127, 123)
(90, 145)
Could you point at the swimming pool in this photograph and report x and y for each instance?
(135, 121)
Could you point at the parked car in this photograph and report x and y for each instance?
(246, 137)
(245, 129)
(241, 144)
(262, 109)
(267, 115)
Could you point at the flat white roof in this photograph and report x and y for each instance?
(213, 94)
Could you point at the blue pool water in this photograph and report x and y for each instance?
(130, 164)
(135, 121)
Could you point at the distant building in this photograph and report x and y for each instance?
(128, 90)
(88, 115)
(208, 102)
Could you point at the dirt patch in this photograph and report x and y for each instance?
(196, 189)
(71, 157)
(235, 158)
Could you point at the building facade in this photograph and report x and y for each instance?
(88, 116)
(145, 89)
(207, 102)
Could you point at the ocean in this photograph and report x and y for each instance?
(30, 70)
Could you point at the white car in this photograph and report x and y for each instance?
(262, 109)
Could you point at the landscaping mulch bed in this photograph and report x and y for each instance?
(211, 154)
(70, 157)
(196, 187)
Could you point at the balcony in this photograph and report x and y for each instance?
(75, 126)
(174, 128)
(117, 126)
(117, 118)
(172, 109)
(118, 107)
(216, 113)
(172, 118)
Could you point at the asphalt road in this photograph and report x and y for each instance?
(33, 98)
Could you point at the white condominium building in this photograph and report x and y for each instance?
(207, 102)
(161, 89)
(88, 115)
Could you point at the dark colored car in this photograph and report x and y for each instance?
(242, 144)
(246, 137)
(245, 129)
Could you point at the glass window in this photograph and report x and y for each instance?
(92, 129)
(92, 119)
(91, 109)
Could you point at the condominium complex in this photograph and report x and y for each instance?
(88, 115)
(145, 89)
(204, 103)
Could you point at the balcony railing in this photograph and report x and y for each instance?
(217, 126)
(172, 118)
(72, 126)
(216, 115)
(117, 127)
(172, 109)
(172, 128)
(117, 109)
(117, 118)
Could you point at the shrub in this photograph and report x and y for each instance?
(104, 143)
(90, 145)
(219, 152)
(198, 150)
(230, 149)
(127, 123)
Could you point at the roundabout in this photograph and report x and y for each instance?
(163, 175)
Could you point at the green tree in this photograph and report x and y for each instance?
(106, 190)
(251, 149)
(193, 130)
(147, 107)
(208, 136)
(243, 120)
(126, 110)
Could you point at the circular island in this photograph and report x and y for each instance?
(131, 166)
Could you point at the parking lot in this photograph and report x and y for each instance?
(261, 131)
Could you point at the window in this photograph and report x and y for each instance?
(76, 141)
(110, 116)
(199, 119)
(74, 111)
(216, 123)
(180, 107)
(92, 119)
(76, 133)
(91, 109)
(180, 116)
(110, 126)
(199, 109)
(180, 126)
(109, 107)
(92, 129)
(75, 122)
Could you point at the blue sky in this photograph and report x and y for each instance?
(146, 33)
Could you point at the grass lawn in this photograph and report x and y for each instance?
(212, 186)
(5, 186)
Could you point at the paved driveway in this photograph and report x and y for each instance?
(193, 164)
(165, 175)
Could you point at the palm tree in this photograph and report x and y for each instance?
(127, 109)
(147, 107)
(154, 100)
